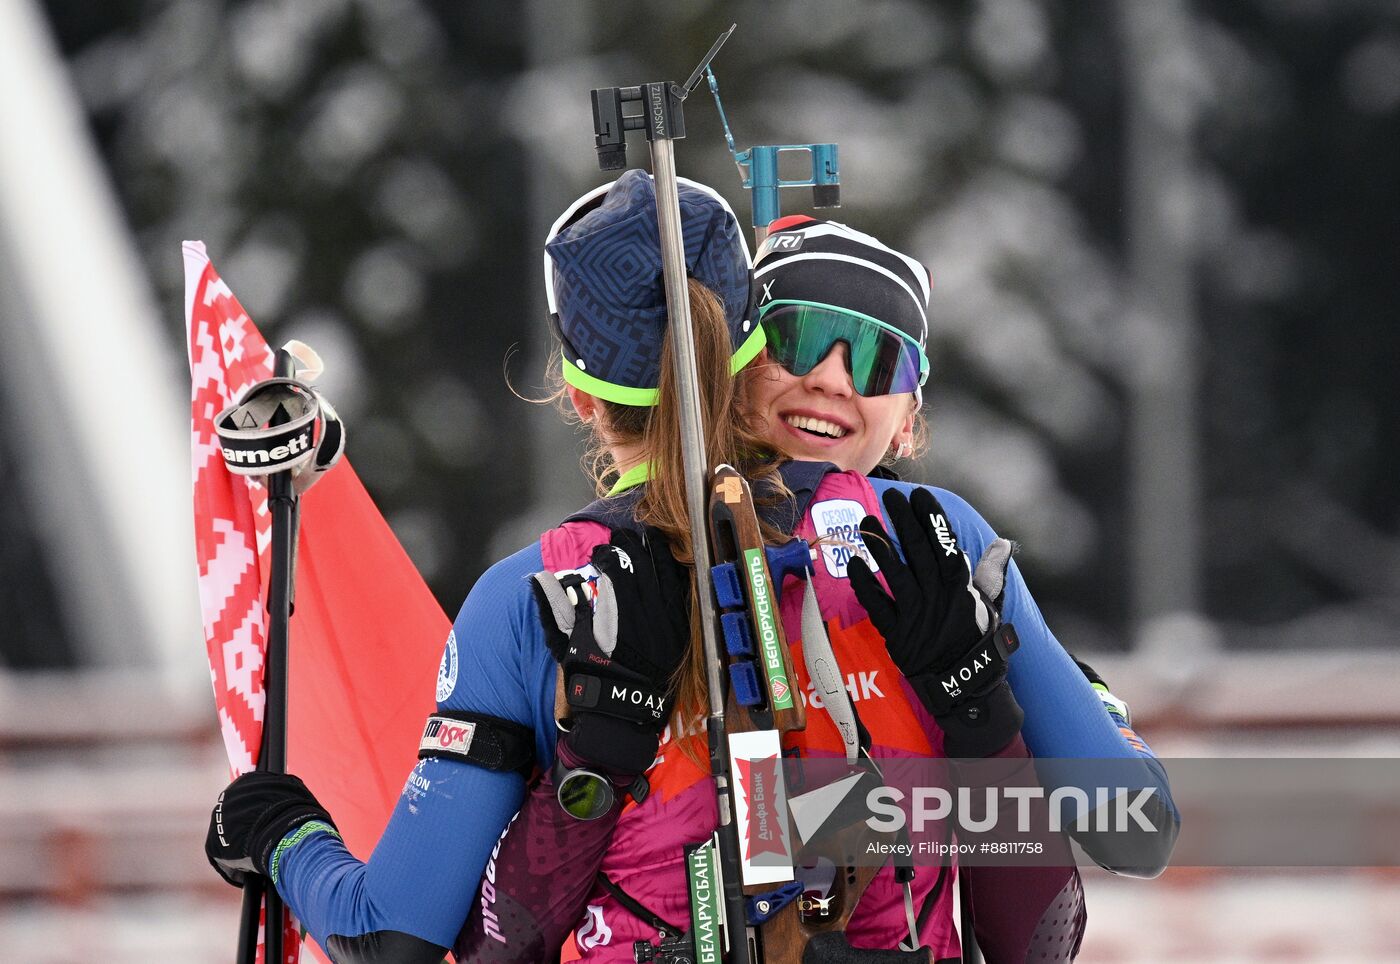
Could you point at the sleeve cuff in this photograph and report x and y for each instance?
(308, 829)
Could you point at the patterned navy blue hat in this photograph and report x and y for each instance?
(603, 280)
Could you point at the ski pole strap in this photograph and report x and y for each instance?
(618, 693)
(639, 910)
(485, 741)
(309, 442)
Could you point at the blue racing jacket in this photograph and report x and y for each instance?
(422, 878)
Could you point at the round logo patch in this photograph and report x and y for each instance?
(447, 671)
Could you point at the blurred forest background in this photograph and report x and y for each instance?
(1163, 235)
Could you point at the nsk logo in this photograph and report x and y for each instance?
(296, 446)
(447, 735)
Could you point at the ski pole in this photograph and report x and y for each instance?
(272, 755)
(663, 120)
(248, 920)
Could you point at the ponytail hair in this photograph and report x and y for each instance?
(730, 437)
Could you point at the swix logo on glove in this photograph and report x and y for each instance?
(945, 534)
(623, 559)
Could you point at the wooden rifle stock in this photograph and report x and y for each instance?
(736, 539)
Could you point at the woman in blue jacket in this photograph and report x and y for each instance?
(839, 382)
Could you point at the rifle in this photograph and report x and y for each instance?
(663, 120)
(758, 709)
(806, 922)
(758, 174)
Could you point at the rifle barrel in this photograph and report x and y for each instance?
(696, 468)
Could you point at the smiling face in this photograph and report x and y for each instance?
(818, 416)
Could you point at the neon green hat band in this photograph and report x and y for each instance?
(646, 397)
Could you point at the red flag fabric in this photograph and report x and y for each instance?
(366, 634)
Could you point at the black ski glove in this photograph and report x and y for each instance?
(943, 625)
(252, 816)
(620, 654)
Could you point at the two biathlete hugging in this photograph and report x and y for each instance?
(812, 364)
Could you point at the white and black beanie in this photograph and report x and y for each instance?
(804, 259)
